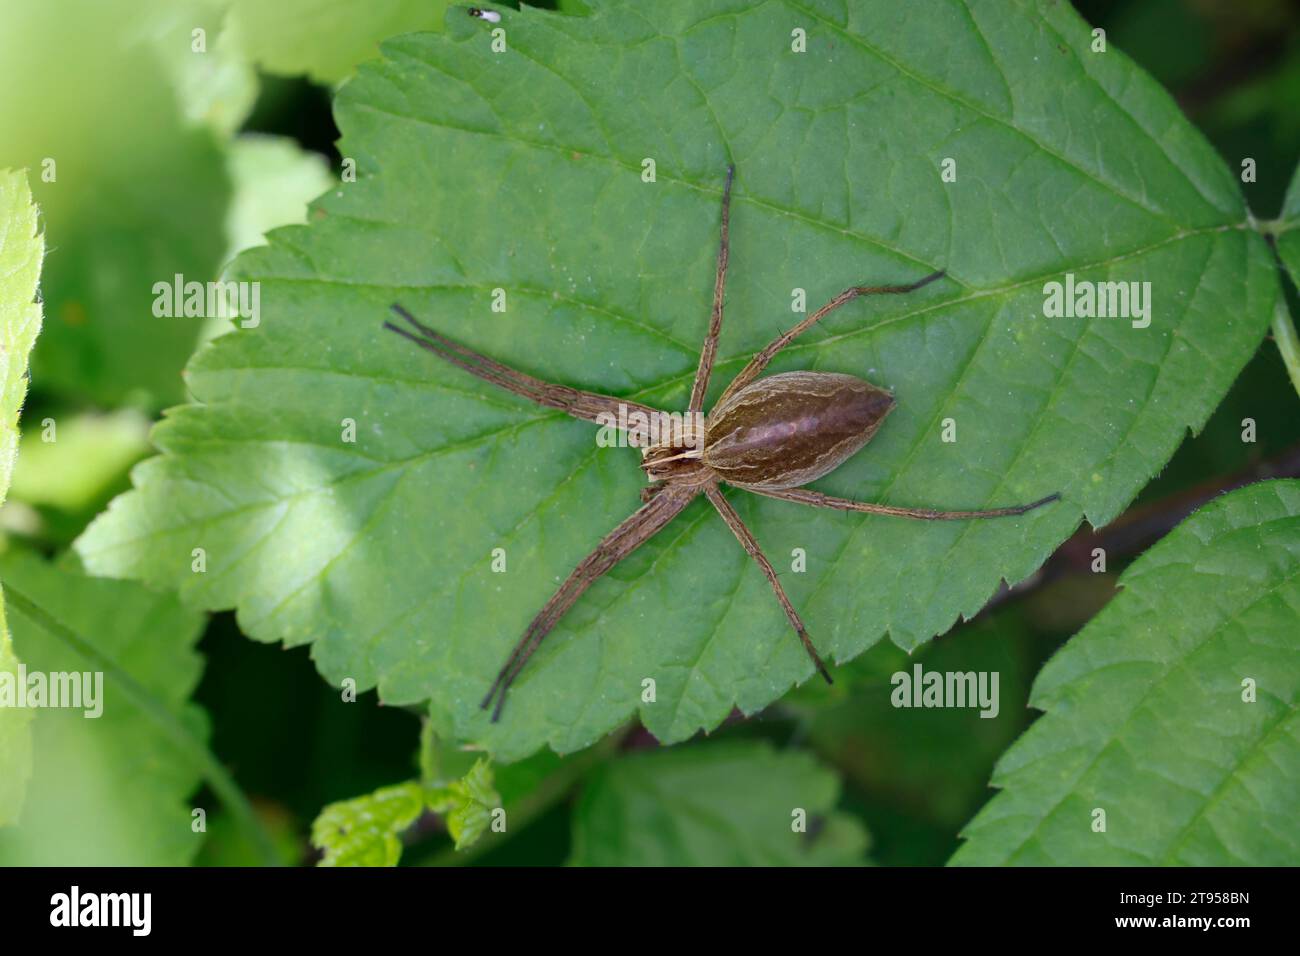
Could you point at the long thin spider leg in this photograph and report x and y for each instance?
(761, 359)
(710, 350)
(588, 406)
(643, 524)
(748, 542)
(819, 500)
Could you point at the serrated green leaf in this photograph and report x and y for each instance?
(130, 192)
(324, 39)
(111, 790)
(364, 831)
(21, 249)
(715, 804)
(468, 804)
(1149, 718)
(522, 170)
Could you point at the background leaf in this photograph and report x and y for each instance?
(216, 86)
(274, 181)
(111, 790)
(522, 171)
(1288, 229)
(714, 804)
(1145, 711)
(929, 765)
(1286, 235)
(139, 193)
(69, 480)
(364, 831)
(325, 39)
(21, 248)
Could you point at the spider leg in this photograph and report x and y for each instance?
(643, 524)
(747, 541)
(588, 406)
(710, 350)
(819, 500)
(761, 359)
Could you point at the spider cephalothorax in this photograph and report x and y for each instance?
(766, 435)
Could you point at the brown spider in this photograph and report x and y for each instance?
(767, 435)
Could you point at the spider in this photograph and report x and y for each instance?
(767, 435)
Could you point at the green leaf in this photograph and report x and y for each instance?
(715, 804)
(364, 831)
(325, 39)
(1287, 228)
(131, 192)
(1176, 711)
(21, 249)
(935, 762)
(468, 804)
(216, 84)
(1286, 233)
(89, 453)
(15, 736)
(111, 790)
(274, 180)
(522, 171)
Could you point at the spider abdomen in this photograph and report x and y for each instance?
(786, 430)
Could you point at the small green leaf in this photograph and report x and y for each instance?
(112, 789)
(468, 804)
(715, 804)
(21, 249)
(522, 170)
(364, 831)
(325, 39)
(1174, 717)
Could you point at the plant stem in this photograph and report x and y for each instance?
(216, 776)
(1288, 344)
(1284, 333)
